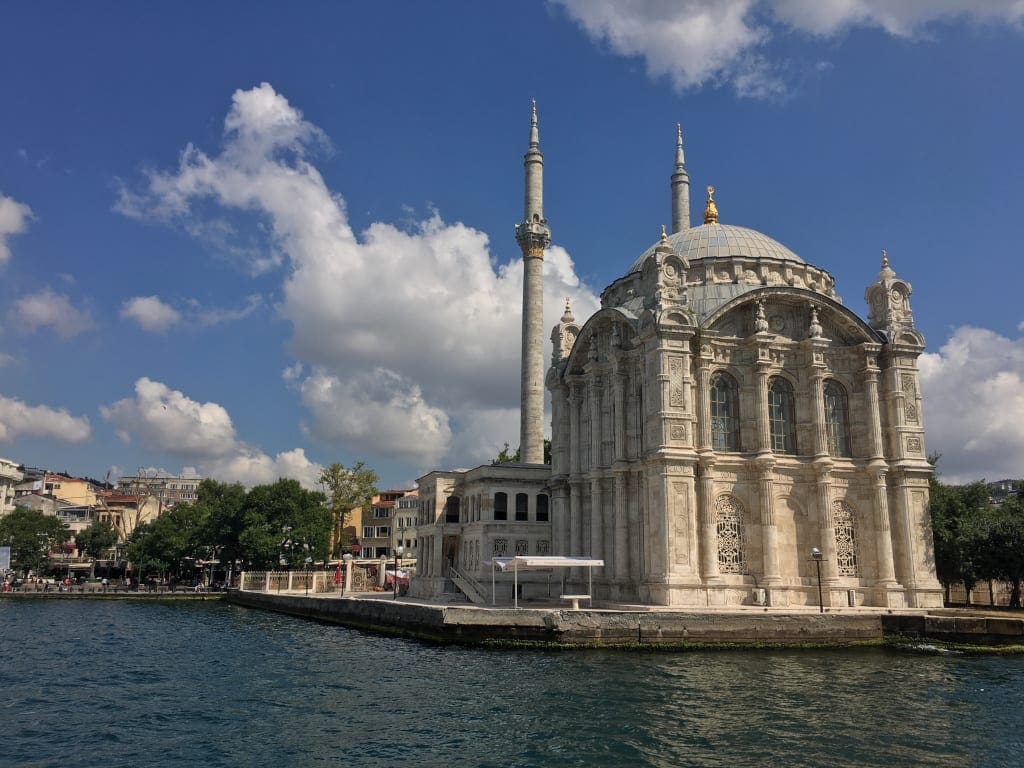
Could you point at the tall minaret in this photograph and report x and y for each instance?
(680, 187)
(533, 236)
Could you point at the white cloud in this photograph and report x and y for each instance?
(973, 390)
(14, 218)
(18, 418)
(154, 314)
(6, 359)
(151, 313)
(415, 324)
(167, 420)
(48, 308)
(708, 42)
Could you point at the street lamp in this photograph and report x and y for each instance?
(347, 557)
(283, 563)
(398, 553)
(816, 556)
(309, 560)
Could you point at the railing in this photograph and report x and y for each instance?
(470, 587)
(364, 576)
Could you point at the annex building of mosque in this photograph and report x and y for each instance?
(721, 416)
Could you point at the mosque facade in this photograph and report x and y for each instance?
(722, 428)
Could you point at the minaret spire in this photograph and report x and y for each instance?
(680, 187)
(533, 236)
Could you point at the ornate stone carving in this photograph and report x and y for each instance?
(914, 445)
(731, 540)
(675, 382)
(845, 521)
(677, 432)
(522, 547)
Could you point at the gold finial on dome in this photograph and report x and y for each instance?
(711, 210)
(885, 258)
(664, 237)
(567, 316)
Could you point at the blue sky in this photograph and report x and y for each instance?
(252, 239)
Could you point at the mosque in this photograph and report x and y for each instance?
(721, 428)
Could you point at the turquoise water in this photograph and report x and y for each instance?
(109, 684)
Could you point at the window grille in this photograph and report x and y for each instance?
(845, 522)
(729, 526)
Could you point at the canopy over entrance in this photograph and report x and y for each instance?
(540, 563)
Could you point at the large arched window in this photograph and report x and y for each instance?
(781, 415)
(501, 506)
(725, 422)
(837, 419)
(729, 527)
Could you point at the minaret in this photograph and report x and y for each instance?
(680, 188)
(533, 236)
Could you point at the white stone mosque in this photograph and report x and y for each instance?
(722, 416)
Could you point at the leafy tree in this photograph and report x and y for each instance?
(284, 520)
(96, 538)
(1003, 545)
(347, 488)
(506, 458)
(958, 520)
(171, 543)
(31, 535)
(225, 521)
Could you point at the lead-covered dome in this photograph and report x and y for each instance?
(716, 241)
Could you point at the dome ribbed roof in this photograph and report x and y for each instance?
(716, 241)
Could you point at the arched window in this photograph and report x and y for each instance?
(522, 507)
(501, 506)
(845, 522)
(781, 416)
(542, 507)
(729, 527)
(451, 510)
(837, 419)
(725, 422)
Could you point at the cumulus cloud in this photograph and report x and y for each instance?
(167, 420)
(439, 351)
(154, 314)
(150, 313)
(709, 42)
(973, 390)
(14, 218)
(46, 308)
(18, 418)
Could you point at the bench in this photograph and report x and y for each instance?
(574, 600)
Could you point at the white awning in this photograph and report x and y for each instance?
(543, 562)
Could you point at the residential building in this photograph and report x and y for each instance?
(10, 476)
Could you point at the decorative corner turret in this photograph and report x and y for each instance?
(563, 335)
(671, 275)
(888, 301)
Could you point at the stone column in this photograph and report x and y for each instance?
(823, 492)
(596, 518)
(769, 533)
(704, 405)
(575, 448)
(708, 530)
(621, 528)
(876, 450)
(820, 428)
(619, 400)
(575, 518)
(349, 565)
(883, 543)
(560, 520)
(594, 401)
(764, 435)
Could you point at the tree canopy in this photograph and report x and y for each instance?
(347, 488)
(31, 535)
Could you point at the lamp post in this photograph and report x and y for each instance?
(283, 563)
(816, 556)
(347, 557)
(398, 553)
(309, 560)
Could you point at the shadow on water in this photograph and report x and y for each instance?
(137, 684)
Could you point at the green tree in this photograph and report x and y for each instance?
(284, 520)
(96, 538)
(1003, 545)
(347, 488)
(507, 458)
(171, 543)
(31, 535)
(958, 519)
(223, 504)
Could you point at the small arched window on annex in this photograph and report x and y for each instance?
(845, 521)
(542, 508)
(781, 415)
(451, 509)
(501, 506)
(725, 412)
(731, 540)
(522, 507)
(837, 419)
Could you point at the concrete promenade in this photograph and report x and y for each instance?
(638, 626)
